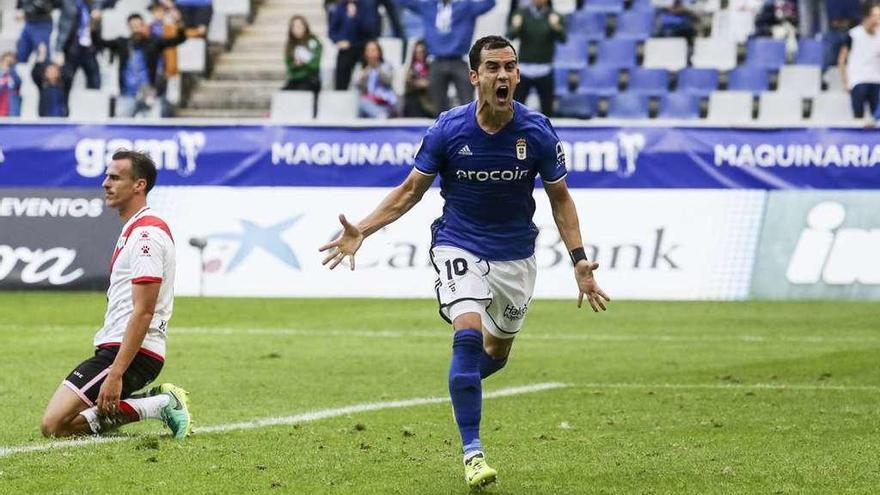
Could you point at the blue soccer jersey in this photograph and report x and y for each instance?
(487, 180)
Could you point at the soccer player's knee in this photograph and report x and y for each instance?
(51, 427)
(496, 351)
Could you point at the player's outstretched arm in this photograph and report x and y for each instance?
(398, 202)
(565, 215)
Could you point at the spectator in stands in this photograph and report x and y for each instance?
(539, 28)
(812, 17)
(75, 47)
(164, 26)
(859, 62)
(302, 55)
(752, 6)
(777, 19)
(393, 14)
(138, 57)
(350, 27)
(677, 20)
(37, 15)
(53, 90)
(449, 28)
(377, 97)
(196, 16)
(417, 99)
(843, 15)
(10, 86)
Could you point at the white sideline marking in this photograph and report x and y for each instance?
(286, 420)
(391, 334)
(443, 334)
(735, 386)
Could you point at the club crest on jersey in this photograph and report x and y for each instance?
(521, 149)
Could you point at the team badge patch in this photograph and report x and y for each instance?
(521, 149)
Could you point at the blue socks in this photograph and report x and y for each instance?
(488, 365)
(465, 388)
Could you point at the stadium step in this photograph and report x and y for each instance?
(250, 72)
(244, 79)
(222, 113)
(275, 56)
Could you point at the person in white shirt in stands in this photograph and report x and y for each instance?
(859, 62)
(97, 396)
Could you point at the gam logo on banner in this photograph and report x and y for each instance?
(619, 156)
(179, 154)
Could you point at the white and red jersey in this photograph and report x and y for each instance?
(144, 253)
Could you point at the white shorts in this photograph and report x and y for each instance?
(500, 291)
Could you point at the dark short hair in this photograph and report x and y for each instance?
(142, 166)
(867, 7)
(134, 16)
(487, 43)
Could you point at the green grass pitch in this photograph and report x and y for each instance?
(660, 397)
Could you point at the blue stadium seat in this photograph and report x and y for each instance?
(635, 25)
(811, 52)
(588, 25)
(573, 54)
(700, 82)
(617, 53)
(607, 6)
(578, 106)
(561, 79)
(766, 53)
(628, 106)
(748, 78)
(642, 5)
(681, 106)
(648, 82)
(599, 80)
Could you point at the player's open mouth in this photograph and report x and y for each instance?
(502, 92)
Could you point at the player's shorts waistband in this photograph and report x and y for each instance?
(144, 351)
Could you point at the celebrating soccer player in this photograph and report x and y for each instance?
(130, 348)
(487, 154)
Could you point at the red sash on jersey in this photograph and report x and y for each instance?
(144, 221)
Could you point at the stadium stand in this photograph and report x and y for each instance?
(612, 60)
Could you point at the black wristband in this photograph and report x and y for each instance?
(577, 254)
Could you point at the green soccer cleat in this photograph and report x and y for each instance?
(176, 414)
(477, 473)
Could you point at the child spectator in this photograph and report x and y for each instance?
(377, 99)
(53, 91)
(10, 86)
(164, 26)
(417, 99)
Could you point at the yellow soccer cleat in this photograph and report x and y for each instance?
(477, 473)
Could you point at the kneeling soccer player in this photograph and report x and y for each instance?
(487, 154)
(130, 348)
